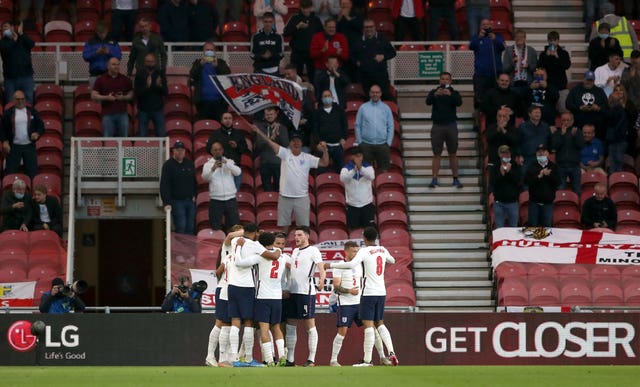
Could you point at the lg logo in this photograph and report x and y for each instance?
(19, 336)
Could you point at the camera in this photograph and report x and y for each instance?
(487, 31)
(77, 287)
(552, 47)
(198, 287)
(538, 78)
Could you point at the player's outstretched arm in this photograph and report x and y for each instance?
(271, 255)
(323, 276)
(247, 261)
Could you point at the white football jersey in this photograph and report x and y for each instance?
(303, 268)
(349, 278)
(269, 275)
(225, 257)
(373, 260)
(243, 276)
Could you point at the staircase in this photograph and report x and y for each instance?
(447, 224)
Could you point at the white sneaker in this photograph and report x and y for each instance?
(385, 361)
(211, 362)
(334, 364)
(363, 364)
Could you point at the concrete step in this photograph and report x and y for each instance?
(463, 309)
(458, 198)
(447, 209)
(463, 162)
(444, 179)
(452, 228)
(417, 189)
(532, 14)
(444, 176)
(448, 217)
(444, 275)
(453, 246)
(423, 132)
(427, 115)
(426, 149)
(445, 255)
(470, 293)
(549, 25)
(450, 265)
(470, 236)
(449, 304)
(550, 5)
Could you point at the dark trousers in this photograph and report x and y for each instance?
(380, 153)
(301, 60)
(360, 217)
(26, 153)
(382, 80)
(540, 214)
(410, 25)
(211, 110)
(122, 24)
(446, 13)
(270, 176)
(218, 208)
(336, 155)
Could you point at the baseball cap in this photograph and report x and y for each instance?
(179, 145)
(295, 135)
(504, 149)
(541, 147)
(57, 281)
(590, 75)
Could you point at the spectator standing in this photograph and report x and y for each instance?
(501, 133)
(567, 143)
(328, 43)
(333, 79)
(350, 22)
(203, 20)
(374, 129)
(326, 9)
(220, 171)
(15, 50)
(620, 117)
(308, 107)
(150, 86)
(178, 189)
(601, 46)
(357, 176)
(520, 61)
(232, 140)
(487, 47)
(609, 74)
(276, 8)
(505, 177)
(500, 97)
(631, 9)
(300, 28)
(542, 178)
(445, 100)
(98, 50)
(531, 134)
(24, 6)
(620, 29)
(143, 43)
(556, 61)
(234, 8)
(371, 55)
(444, 9)
(55, 302)
(269, 162)
(477, 10)
(16, 208)
(21, 128)
(409, 17)
(206, 96)
(173, 19)
(588, 103)
(330, 126)
(114, 91)
(267, 47)
(599, 211)
(47, 213)
(543, 94)
(631, 79)
(592, 154)
(592, 10)
(123, 18)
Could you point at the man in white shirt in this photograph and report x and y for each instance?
(241, 292)
(220, 172)
(373, 259)
(220, 332)
(357, 176)
(294, 178)
(268, 306)
(609, 74)
(305, 260)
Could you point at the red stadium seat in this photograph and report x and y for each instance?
(49, 180)
(400, 293)
(330, 200)
(354, 91)
(7, 181)
(267, 200)
(246, 216)
(179, 126)
(246, 201)
(412, 47)
(566, 198)
(53, 259)
(50, 162)
(178, 110)
(48, 91)
(82, 93)
(573, 272)
(628, 230)
(235, 31)
(391, 200)
(605, 273)
(178, 92)
(202, 218)
(402, 254)
(6, 10)
(622, 181)
(513, 292)
(44, 240)
(147, 9)
(205, 127)
(544, 293)
(398, 273)
(14, 242)
(267, 218)
(631, 273)
(389, 181)
(395, 237)
(211, 235)
(247, 183)
(356, 234)
(575, 293)
(542, 270)
(87, 109)
(329, 181)
(628, 218)
(627, 199)
(49, 143)
(52, 127)
(13, 272)
(332, 218)
(590, 179)
(202, 200)
(607, 294)
(332, 234)
(207, 255)
(568, 217)
(87, 10)
(632, 294)
(58, 31)
(392, 219)
(507, 270)
(49, 109)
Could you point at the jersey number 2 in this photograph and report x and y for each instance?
(274, 269)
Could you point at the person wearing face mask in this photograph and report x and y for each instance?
(601, 46)
(567, 142)
(599, 211)
(505, 182)
(206, 96)
(620, 28)
(542, 178)
(15, 49)
(330, 126)
(16, 208)
(20, 128)
(150, 86)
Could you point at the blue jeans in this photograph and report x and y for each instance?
(575, 177)
(184, 215)
(158, 123)
(540, 215)
(115, 125)
(616, 156)
(474, 17)
(508, 210)
(26, 84)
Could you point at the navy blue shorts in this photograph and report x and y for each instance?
(241, 302)
(287, 308)
(372, 308)
(268, 311)
(303, 307)
(347, 315)
(222, 308)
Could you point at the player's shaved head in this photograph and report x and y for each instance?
(370, 234)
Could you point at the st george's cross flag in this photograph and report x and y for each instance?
(251, 93)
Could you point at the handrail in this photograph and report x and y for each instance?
(206, 309)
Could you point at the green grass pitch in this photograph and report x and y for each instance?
(407, 376)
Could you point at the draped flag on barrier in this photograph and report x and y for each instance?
(17, 293)
(251, 93)
(564, 246)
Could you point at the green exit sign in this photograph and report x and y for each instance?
(430, 64)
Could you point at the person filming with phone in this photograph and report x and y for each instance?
(220, 171)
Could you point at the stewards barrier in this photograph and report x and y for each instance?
(419, 339)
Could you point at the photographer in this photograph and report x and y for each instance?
(61, 298)
(184, 298)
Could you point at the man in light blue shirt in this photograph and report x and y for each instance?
(374, 129)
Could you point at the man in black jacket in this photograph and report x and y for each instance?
(332, 76)
(567, 142)
(267, 47)
(205, 94)
(330, 126)
(505, 178)
(21, 128)
(47, 213)
(542, 178)
(502, 96)
(371, 55)
(150, 86)
(599, 210)
(555, 59)
(444, 100)
(301, 28)
(232, 140)
(16, 208)
(589, 104)
(15, 49)
(178, 189)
